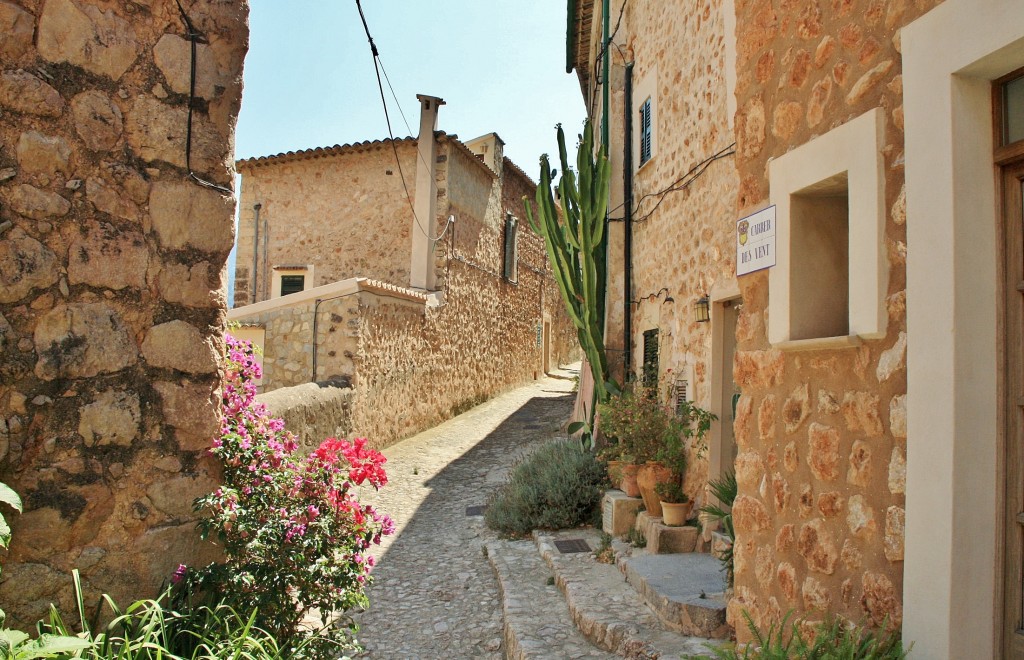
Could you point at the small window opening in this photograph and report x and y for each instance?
(292, 284)
(511, 251)
(681, 395)
(645, 131)
(820, 260)
(650, 364)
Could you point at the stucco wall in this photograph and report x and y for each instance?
(346, 213)
(111, 302)
(822, 434)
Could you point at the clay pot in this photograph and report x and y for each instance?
(628, 485)
(648, 477)
(615, 473)
(675, 515)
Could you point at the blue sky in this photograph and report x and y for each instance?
(498, 64)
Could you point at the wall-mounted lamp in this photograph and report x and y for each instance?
(702, 310)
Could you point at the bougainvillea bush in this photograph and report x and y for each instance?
(294, 534)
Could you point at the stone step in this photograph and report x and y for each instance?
(686, 591)
(662, 539)
(608, 611)
(537, 623)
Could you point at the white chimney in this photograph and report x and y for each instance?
(421, 271)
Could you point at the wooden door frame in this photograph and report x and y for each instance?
(1009, 165)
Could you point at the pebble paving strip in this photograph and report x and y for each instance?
(434, 593)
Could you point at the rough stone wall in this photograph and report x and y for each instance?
(312, 411)
(288, 341)
(346, 213)
(416, 369)
(682, 240)
(111, 303)
(822, 435)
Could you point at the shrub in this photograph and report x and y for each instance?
(833, 639)
(294, 534)
(560, 485)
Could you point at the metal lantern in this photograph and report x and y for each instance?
(702, 310)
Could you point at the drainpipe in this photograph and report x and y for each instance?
(266, 256)
(627, 225)
(424, 222)
(605, 71)
(255, 246)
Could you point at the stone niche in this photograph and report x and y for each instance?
(111, 293)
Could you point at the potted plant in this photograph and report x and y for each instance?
(628, 469)
(675, 503)
(634, 420)
(611, 455)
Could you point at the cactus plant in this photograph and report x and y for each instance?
(575, 243)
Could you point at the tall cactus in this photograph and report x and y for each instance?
(575, 243)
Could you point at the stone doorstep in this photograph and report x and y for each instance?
(606, 608)
(686, 591)
(662, 539)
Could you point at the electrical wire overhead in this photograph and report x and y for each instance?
(378, 66)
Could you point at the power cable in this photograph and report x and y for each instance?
(377, 66)
(194, 36)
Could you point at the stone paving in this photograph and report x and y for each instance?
(435, 595)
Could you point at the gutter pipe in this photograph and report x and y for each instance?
(627, 233)
(255, 247)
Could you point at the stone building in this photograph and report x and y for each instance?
(403, 268)
(115, 226)
(878, 356)
(669, 124)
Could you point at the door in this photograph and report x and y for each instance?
(1013, 397)
(546, 358)
(730, 392)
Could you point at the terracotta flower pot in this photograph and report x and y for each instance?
(628, 483)
(676, 515)
(648, 477)
(615, 473)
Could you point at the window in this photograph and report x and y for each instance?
(291, 278)
(1013, 110)
(292, 284)
(645, 131)
(511, 252)
(649, 377)
(830, 213)
(819, 281)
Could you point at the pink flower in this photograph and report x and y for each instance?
(179, 573)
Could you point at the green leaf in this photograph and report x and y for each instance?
(8, 495)
(576, 427)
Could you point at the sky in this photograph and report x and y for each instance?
(498, 64)
(309, 77)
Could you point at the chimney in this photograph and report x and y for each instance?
(421, 271)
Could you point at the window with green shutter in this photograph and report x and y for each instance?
(292, 284)
(645, 131)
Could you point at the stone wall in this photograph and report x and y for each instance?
(683, 239)
(351, 220)
(111, 280)
(312, 411)
(417, 369)
(822, 434)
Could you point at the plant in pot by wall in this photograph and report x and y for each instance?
(675, 503)
(636, 420)
(611, 455)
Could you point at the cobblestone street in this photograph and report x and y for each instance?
(435, 595)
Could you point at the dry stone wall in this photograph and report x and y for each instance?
(822, 434)
(111, 286)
